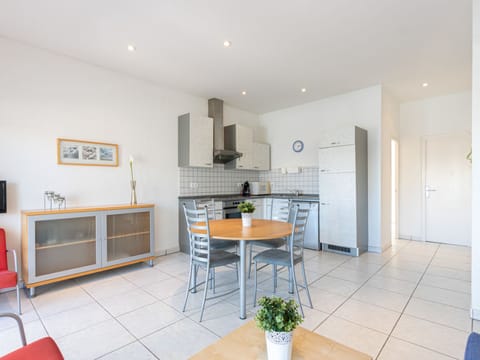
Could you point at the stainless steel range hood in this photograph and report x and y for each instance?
(220, 154)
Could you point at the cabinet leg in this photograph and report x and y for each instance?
(150, 263)
(30, 292)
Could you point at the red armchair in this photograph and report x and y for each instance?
(43, 349)
(8, 279)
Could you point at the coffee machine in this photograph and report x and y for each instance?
(246, 189)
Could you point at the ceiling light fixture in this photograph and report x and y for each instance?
(244, 92)
(304, 90)
(131, 48)
(227, 43)
(425, 84)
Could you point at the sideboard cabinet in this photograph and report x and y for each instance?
(68, 243)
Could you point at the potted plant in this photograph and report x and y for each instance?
(246, 208)
(278, 318)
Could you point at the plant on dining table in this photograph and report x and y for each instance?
(246, 207)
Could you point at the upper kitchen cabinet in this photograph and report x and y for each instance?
(195, 141)
(337, 137)
(239, 138)
(261, 156)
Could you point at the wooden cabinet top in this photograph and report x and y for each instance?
(86, 209)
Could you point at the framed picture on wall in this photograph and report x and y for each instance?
(80, 152)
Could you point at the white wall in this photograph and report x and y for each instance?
(476, 163)
(45, 96)
(390, 130)
(450, 114)
(305, 122)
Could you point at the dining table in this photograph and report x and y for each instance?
(261, 229)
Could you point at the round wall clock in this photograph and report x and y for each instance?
(297, 145)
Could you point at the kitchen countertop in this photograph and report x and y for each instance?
(303, 197)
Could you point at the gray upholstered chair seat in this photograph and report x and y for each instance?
(271, 244)
(222, 244)
(221, 258)
(276, 257)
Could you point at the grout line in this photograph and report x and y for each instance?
(408, 301)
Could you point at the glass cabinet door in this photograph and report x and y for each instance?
(65, 244)
(128, 235)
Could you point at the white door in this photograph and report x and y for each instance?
(448, 190)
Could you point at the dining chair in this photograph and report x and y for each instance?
(42, 349)
(203, 256)
(279, 211)
(288, 258)
(8, 279)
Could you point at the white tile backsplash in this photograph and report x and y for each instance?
(218, 181)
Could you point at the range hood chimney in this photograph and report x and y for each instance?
(220, 154)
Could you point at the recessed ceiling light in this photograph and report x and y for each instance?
(425, 84)
(227, 43)
(244, 92)
(131, 48)
(304, 90)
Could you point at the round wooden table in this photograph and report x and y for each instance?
(232, 229)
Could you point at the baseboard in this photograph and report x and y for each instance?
(410, 237)
(375, 249)
(475, 314)
(167, 251)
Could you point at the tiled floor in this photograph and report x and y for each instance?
(411, 302)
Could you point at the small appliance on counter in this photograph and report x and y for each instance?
(260, 188)
(246, 189)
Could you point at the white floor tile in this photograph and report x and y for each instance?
(325, 301)
(145, 276)
(58, 300)
(133, 351)
(72, 320)
(392, 284)
(126, 302)
(313, 318)
(380, 297)
(440, 313)
(449, 273)
(352, 335)
(336, 285)
(149, 319)
(95, 341)
(447, 283)
(396, 349)
(10, 338)
(442, 296)
(400, 274)
(107, 288)
(350, 275)
(167, 288)
(8, 304)
(436, 337)
(369, 316)
(179, 341)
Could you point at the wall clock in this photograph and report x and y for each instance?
(297, 146)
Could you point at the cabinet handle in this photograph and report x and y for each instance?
(334, 143)
(324, 203)
(323, 170)
(208, 163)
(240, 166)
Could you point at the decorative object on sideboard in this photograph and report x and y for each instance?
(246, 208)
(51, 199)
(80, 152)
(3, 196)
(133, 184)
(278, 318)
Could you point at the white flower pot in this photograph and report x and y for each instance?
(279, 345)
(247, 219)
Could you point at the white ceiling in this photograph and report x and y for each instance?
(278, 46)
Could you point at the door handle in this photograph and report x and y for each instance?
(428, 190)
(324, 203)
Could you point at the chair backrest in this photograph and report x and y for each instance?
(199, 234)
(210, 208)
(3, 250)
(280, 209)
(295, 242)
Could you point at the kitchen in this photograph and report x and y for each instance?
(240, 171)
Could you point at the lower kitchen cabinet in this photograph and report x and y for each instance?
(64, 244)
